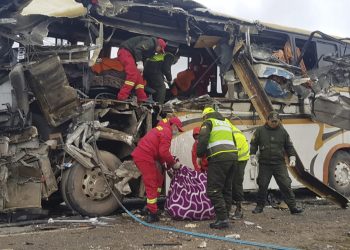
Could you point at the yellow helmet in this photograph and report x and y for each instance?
(207, 111)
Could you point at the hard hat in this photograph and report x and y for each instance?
(207, 111)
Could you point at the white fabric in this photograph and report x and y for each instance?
(139, 66)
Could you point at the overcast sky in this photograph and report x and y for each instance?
(329, 16)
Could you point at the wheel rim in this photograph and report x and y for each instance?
(342, 174)
(87, 190)
(94, 185)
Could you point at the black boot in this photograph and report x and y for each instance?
(151, 217)
(296, 210)
(258, 209)
(219, 224)
(238, 212)
(144, 211)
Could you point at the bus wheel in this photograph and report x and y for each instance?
(63, 187)
(87, 191)
(339, 172)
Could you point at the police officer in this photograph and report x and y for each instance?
(238, 176)
(217, 143)
(273, 142)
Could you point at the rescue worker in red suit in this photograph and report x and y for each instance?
(154, 148)
(131, 54)
(203, 167)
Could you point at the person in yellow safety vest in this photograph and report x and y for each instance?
(156, 68)
(216, 141)
(238, 176)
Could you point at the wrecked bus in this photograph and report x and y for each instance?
(309, 89)
(64, 137)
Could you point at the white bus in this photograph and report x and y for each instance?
(300, 76)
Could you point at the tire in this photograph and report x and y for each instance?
(339, 172)
(63, 187)
(88, 193)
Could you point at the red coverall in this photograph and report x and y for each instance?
(204, 166)
(133, 77)
(137, 49)
(152, 148)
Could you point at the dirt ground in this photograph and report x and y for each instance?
(321, 226)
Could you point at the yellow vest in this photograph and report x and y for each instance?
(221, 138)
(241, 143)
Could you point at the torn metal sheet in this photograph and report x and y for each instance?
(196, 103)
(50, 185)
(112, 134)
(32, 29)
(263, 105)
(126, 172)
(333, 110)
(67, 54)
(26, 195)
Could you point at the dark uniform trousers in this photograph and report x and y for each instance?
(237, 181)
(280, 173)
(219, 186)
(156, 82)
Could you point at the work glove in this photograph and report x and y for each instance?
(139, 66)
(292, 161)
(177, 165)
(199, 161)
(253, 160)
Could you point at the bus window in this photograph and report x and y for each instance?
(196, 76)
(325, 49)
(310, 55)
(266, 44)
